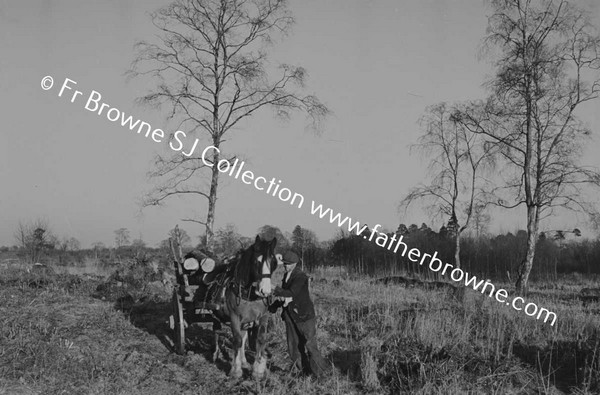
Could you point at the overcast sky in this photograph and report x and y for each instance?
(376, 64)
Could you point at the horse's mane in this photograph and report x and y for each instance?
(243, 266)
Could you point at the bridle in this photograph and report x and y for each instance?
(251, 291)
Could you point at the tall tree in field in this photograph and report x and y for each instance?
(546, 55)
(212, 70)
(457, 159)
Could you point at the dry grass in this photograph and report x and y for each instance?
(55, 338)
(431, 344)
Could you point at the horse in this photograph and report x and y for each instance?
(245, 304)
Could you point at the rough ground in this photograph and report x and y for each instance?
(78, 334)
(56, 340)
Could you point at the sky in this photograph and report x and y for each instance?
(376, 64)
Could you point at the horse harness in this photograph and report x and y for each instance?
(226, 279)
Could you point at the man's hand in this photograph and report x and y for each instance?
(283, 299)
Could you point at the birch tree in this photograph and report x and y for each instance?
(212, 71)
(546, 60)
(457, 160)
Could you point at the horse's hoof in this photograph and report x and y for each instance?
(256, 375)
(236, 374)
(259, 370)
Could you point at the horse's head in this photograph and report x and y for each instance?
(257, 264)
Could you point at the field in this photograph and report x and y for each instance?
(81, 332)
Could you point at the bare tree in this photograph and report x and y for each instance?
(303, 240)
(546, 59)
(184, 239)
(35, 238)
(121, 237)
(211, 64)
(457, 159)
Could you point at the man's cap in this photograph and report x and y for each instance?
(290, 258)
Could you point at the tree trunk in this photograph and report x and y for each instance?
(522, 284)
(457, 249)
(212, 201)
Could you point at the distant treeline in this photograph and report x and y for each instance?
(488, 256)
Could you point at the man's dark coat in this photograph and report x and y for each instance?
(301, 308)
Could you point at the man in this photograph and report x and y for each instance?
(299, 317)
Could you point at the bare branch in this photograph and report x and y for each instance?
(210, 65)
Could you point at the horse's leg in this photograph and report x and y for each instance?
(245, 364)
(238, 335)
(216, 328)
(215, 355)
(260, 362)
(252, 337)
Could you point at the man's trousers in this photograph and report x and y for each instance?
(302, 346)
